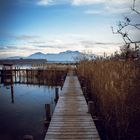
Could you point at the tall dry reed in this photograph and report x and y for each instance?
(115, 88)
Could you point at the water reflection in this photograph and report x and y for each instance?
(24, 113)
(23, 95)
(12, 94)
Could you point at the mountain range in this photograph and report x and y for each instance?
(62, 56)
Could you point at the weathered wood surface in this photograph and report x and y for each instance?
(71, 119)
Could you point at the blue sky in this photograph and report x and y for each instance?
(52, 26)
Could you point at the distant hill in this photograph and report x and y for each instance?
(62, 56)
(66, 56)
(16, 57)
(37, 55)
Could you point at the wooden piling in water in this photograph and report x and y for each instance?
(56, 94)
(90, 107)
(15, 74)
(84, 90)
(48, 112)
(12, 93)
(19, 75)
(85, 93)
(27, 75)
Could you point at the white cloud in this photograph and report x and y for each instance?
(82, 2)
(117, 9)
(44, 2)
(109, 10)
(52, 2)
(89, 2)
(109, 6)
(99, 48)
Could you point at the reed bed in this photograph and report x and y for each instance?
(54, 76)
(114, 86)
(51, 77)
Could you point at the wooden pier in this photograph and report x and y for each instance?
(71, 120)
(32, 76)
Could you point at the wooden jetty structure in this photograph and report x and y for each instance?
(71, 119)
(6, 74)
(31, 76)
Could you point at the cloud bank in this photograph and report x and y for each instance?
(89, 2)
(83, 2)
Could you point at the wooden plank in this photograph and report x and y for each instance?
(71, 119)
(76, 136)
(72, 139)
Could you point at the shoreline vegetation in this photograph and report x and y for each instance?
(114, 87)
(39, 75)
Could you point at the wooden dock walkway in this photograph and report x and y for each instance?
(71, 120)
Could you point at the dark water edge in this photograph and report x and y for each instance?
(23, 112)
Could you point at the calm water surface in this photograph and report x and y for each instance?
(23, 112)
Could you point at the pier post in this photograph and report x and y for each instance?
(31, 75)
(12, 93)
(85, 93)
(2, 76)
(48, 112)
(19, 75)
(15, 76)
(48, 115)
(90, 107)
(84, 90)
(56, 94)
(27, 74)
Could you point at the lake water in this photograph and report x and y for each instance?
(22, 111)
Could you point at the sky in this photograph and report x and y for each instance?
(53, 26)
